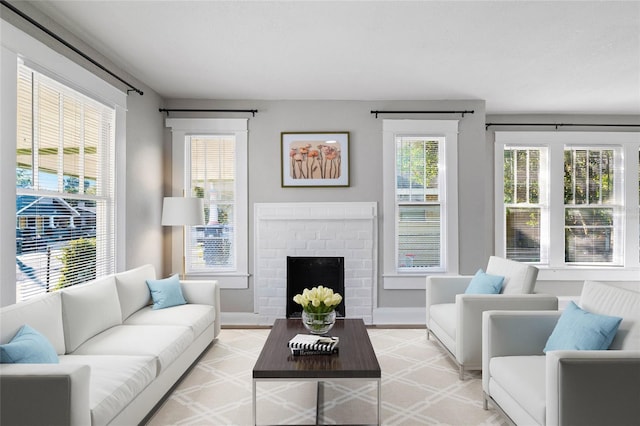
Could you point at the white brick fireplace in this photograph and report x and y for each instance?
(347, 229)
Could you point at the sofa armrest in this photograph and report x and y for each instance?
(593, 387)
(39, 394)
(443, 289)
(203, 292)
(469, 309)
(506, 333)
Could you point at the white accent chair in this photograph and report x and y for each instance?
(564, 387)
(455, 318)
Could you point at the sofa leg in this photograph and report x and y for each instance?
(428, 333)
(461, 372)
(485, 402)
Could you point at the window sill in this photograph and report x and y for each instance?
(225, 280)
(612, 273)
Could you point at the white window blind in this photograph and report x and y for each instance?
(212, 176)
(418, 202)
(65, 213)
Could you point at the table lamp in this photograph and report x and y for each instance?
(182, 211)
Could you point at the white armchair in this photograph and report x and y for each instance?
(455, 318)
(564, 387)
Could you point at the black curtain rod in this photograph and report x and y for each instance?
(556, 125)
(64, 42)
(423, 112)
(168, 110)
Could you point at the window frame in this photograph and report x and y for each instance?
(555, 142)
(180, 129)
(393, 276)
(18, 44)
(543, 198)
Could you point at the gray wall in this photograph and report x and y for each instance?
(274, 117)
(146, 162)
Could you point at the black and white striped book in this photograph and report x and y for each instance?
(301, 352)
(310, 342)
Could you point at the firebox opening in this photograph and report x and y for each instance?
(308, 272)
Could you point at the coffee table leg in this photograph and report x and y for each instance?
(254, 403)
(379, 401)
(319, 401)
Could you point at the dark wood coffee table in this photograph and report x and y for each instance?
(356, 359)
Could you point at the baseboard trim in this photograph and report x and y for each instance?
(381, 317)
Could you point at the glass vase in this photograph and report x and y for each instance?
(318, 323)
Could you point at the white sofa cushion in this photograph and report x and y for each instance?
(196, 317)
(115, 382)
(165, 343)
(89, 309)
(42, 313)
(133, 290)
(524, 378)
(519, 278)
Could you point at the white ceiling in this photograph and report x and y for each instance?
(519, 56)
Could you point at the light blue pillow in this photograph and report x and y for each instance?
(166, 292)
(578, 329)
(28, 347)
(483, 283)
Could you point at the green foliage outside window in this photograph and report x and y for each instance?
(78, 262)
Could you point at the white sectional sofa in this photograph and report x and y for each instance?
(564, 387)
(117, 356)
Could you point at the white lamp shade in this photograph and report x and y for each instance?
(182, 211)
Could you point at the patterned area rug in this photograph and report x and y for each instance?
(420, 386)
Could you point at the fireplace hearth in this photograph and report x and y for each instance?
(313, 271)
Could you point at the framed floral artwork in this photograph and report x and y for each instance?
(315, 159)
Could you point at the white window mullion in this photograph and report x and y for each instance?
(61, 143)
(81, 157)
(632, 205)
(35, 135)
(556, 198)
(545, 209)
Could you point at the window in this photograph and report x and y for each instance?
(525, 203)
(592, 206)
(418, 202)
(563, 202)
(210, 162)
(65, 190)
(420, 184)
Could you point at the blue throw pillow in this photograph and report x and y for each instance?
(166, 292)
(483, 283)
(28, 347)
(578, 329)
